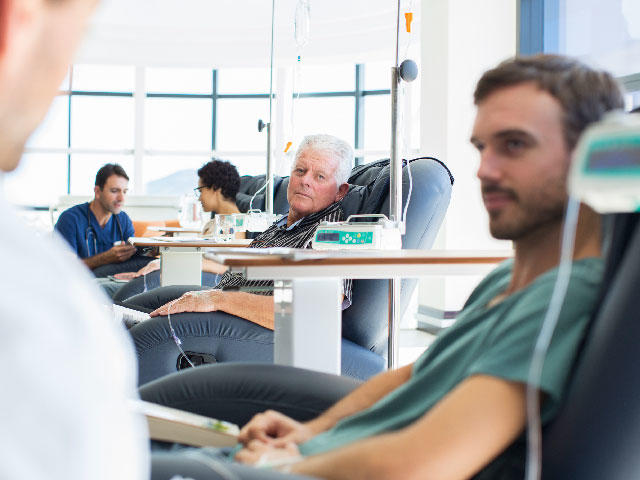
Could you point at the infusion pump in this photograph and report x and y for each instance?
(380, 234)
(605, 172)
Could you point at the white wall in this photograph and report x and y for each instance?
(460, 40)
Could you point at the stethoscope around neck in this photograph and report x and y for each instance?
(91, 231)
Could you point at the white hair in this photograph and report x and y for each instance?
(338, 148)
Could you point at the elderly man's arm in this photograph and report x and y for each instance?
(255, 308)
(455, 439)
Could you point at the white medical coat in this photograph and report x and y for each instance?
(66, 368)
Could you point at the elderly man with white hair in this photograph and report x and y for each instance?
(317, 183)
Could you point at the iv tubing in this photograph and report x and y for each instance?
(534, 428)
(173, 333)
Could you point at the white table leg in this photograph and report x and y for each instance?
(308, 323)
(181, 266)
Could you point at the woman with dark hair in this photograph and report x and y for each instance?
(218, 184)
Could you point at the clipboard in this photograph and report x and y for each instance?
(173, 425)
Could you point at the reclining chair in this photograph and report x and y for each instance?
(594, 436)
(364, 323)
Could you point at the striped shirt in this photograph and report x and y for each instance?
(297, 235)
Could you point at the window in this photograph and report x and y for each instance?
(53, 131)
(39, 179)
(250, 81)
(103, 78)
(326, 78)
(188, 116)
(600, 32)
(237, 124)
(332, 115)
(178, 124)
(171, 175)
(198, 81)
(102, 122)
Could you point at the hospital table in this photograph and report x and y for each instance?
(181, 257)
(308, 285)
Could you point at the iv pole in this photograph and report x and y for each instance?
(268, 201)
(407, 71)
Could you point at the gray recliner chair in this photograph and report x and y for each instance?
(364, 324)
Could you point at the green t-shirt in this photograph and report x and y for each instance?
(496, 341)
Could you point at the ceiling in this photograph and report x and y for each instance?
(237, 33)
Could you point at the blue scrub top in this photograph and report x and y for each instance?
(73, 226)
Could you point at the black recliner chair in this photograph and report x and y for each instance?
(596, 434)
(364, 323)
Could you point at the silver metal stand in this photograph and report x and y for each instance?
(268, 202)
(395, 205)
(394, 310)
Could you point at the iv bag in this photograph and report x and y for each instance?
(301, 24)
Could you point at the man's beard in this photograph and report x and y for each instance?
(517, 228)
(528, 216)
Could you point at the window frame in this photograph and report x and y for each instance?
(139, 150)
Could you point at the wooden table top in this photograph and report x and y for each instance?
(265, 257)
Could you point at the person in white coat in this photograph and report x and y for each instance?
(66, 374)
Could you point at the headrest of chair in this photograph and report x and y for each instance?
(355, 198)
(250, 184)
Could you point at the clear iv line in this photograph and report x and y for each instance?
(173, 333)
(534, 430)
(257, 192)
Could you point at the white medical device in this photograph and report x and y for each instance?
(605, 171)
(380, 234)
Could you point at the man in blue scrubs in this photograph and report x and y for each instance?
(98, 230)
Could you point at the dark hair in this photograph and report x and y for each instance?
(218, 174)
(106, 171)
(584, 93)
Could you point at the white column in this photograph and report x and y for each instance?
(460, 40)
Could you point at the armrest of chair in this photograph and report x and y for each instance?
(235, 392)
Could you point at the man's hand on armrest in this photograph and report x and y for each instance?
(279, 431)
(196, 301)
(255, 308)
(276, 428)
(116, 254)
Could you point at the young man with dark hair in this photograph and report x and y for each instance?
(97, 231)
(459, 410)
(67, 376)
